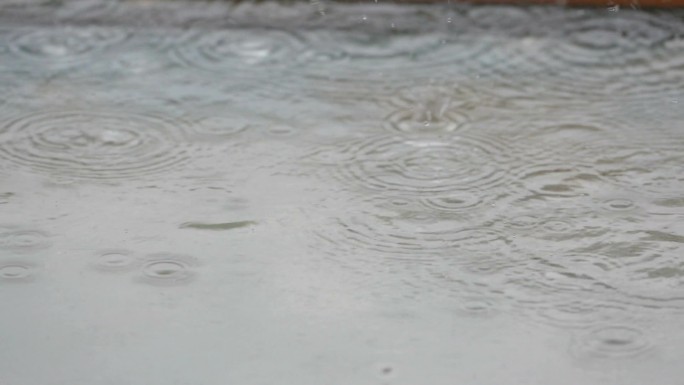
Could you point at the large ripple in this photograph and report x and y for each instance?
(421, 165)
(94, 145)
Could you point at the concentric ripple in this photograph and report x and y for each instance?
(401, 228)
(64, 45)
(115, 261)
(240, 50)
(458, 202)
(430, 251)
(167, 269)
(94, 145)
(613, 342)
(19, 241)
(609, 52)
(343, 62)
(610, 41)
(16, 272)
(359, 45)
(420, 166)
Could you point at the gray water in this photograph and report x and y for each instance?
(315, 193)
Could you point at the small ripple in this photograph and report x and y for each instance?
(23, 240)
(460, 202)
(613, 342)
(167, 270)
(569, 312)
(220, 125)
(478, 307)
(523, 222)
(5, 197)
(94, 145)
(649, 167)
(559, 180)
(426, 119)
(16, 272)
(430, 109)
(619, 204)
(577, 272)
(656, 279)
(459, 163)
(115, 261)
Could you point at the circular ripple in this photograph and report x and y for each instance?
(458, 163)
(94, 145)
(24, 240)
(613, 342)
(508, 20)
(619, 204)
(478, 307)
(220, 125)
(16, 272)
(387, 231)
(64, 45)
(243, 50)
(167, 269)
(459, 202)
(358, 45)
(115, 261)
(624, 51)
(610, 41)
(342, 62)
(402, 238)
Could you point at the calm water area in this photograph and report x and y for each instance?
(210, 193)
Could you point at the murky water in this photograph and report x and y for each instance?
(211, 193)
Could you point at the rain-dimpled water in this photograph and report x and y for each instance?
(332, 193)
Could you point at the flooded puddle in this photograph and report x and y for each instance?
(213, 193)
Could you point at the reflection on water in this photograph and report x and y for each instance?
(317, 193)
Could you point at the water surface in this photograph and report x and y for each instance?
(316, 193)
